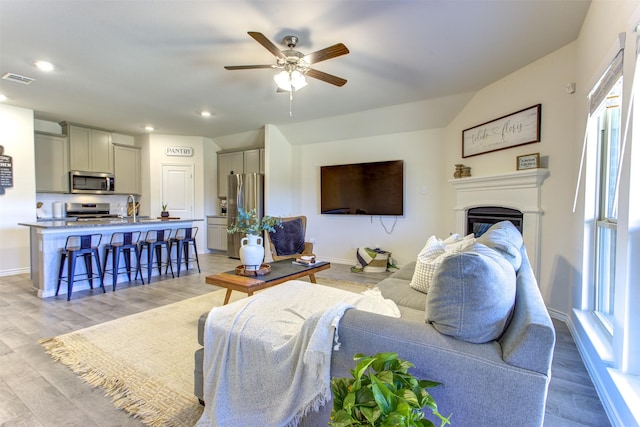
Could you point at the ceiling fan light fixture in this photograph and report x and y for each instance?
(287, 80)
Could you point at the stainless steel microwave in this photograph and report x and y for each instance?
(91, 182)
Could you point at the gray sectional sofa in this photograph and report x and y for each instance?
(500, 379)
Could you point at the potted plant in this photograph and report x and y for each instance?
(164, 213)
(382, 393)
(251, 249)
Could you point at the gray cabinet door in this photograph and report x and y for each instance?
(52, 163)
(228, 163)
(126, 162)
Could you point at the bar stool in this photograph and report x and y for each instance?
(121, 243)
(85, 245)
(182, 239)
(153, 242)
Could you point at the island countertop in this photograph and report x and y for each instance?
(111, 222)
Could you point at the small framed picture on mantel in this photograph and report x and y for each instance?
(528, 161)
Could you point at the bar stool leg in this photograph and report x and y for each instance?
(71, 267)
(63, 256)
(115, 262)
(100, 273)
(126, 252)
(195, 251)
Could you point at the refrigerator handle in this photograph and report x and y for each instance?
(239, 194)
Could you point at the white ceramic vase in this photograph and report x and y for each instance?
(251, 252)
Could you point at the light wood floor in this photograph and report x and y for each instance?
(35, 391)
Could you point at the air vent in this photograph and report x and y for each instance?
(18, 78)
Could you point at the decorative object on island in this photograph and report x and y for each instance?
(382, 393)
(528, 161)
(165, 212)
(252, 249)
(519, 128)
(130, 208)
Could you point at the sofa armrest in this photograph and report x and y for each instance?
(474, 377)
(529, 339)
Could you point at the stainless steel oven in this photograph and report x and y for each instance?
(91, 182)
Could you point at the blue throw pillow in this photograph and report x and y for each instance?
(505, 238)
(289, 239)
(472, 295)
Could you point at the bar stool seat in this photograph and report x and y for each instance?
(122, 243)
(86, 246)
(154, 241)
(183, 238)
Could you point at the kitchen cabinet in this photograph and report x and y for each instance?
(90, 149)
(252, 161)
(52, 163)
(126, 169)
(228, 163)
(217, 233)
(247, 161)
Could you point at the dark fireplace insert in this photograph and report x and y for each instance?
(481, 218)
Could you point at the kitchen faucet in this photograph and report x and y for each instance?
(133, 205)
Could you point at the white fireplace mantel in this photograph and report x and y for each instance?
(520, 190)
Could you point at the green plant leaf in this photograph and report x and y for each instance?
(383, 396)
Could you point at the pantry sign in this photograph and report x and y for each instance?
(6, 171)
(178, 151)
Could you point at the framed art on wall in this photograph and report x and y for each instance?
(519, 128)
(528, 161)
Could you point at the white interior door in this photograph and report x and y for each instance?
(177, 190)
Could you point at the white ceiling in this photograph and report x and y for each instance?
(121, 65)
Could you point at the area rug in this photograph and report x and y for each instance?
(144, 361)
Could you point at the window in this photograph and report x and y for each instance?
(608, 119)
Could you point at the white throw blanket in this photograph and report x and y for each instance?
(268, 357)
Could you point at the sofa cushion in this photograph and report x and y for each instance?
(405, 272)
(431, 256)
(472, 295)
(399, 291)
(505, 238)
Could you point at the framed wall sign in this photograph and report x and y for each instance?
(519, 128)
(528, 161)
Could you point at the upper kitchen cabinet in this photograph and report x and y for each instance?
(126, 165)
(253, 161)
(228, 163)
(89, 149)
(52, 163)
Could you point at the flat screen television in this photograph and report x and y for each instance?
(363, 189)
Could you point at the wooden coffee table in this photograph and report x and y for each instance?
(281, 271)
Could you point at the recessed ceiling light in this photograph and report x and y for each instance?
(3, 97)
(205, 114)
(44, 65)
(148, 128)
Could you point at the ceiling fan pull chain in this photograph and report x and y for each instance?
(291, 102)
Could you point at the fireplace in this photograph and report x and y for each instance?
(481, 218)
(518, 191)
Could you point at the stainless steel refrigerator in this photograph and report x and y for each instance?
(244, 191)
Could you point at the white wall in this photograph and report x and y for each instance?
(280, 179)
(18, 204)
(153, 158)
(542, 82)
(337, 237)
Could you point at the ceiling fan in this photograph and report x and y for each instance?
(294, 64)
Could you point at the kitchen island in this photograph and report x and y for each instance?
(48, 237)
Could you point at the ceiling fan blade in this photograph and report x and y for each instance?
(327, 53)
(260, 38)
(246, 67)
(325, 77)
